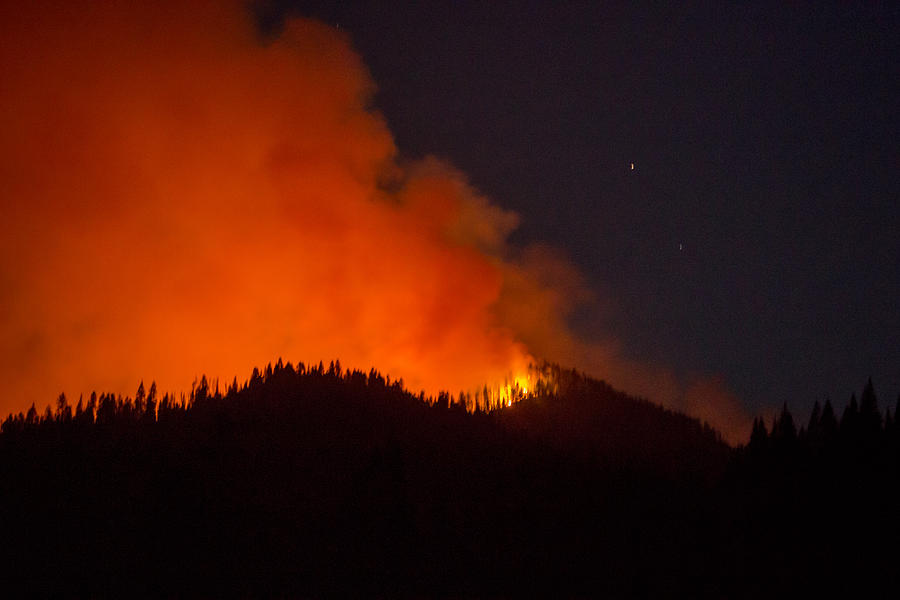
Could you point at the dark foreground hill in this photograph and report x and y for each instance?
(312, 482)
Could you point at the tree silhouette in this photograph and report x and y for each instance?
(784, 431)
(63, 410)
(870, 421)
(828, 423)
(759, 436)
(850, 419)
(150, 404)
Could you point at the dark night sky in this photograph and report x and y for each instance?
(758, 236)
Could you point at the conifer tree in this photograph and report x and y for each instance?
(139, 397)
(759, 437)
(31, 417)
(828, 423)
(785, 430)
(869, 416)
(63, 410)
(850, 420)
(150, 404)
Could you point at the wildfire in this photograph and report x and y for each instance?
(515, 388)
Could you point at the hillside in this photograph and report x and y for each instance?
(310, 481)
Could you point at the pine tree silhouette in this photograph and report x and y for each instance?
(869, 415)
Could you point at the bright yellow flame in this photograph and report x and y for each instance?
(522, 383)
(515, 388)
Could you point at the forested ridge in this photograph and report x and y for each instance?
(307, 480)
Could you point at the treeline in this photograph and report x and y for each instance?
(146, 407)
(590, 411)
(862, 438)
(564, 410)
(822, 498)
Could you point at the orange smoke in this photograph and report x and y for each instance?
(180, 198)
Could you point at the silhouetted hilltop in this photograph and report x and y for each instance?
(586, 417)
(566, 411)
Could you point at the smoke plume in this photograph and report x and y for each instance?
(180, 197)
